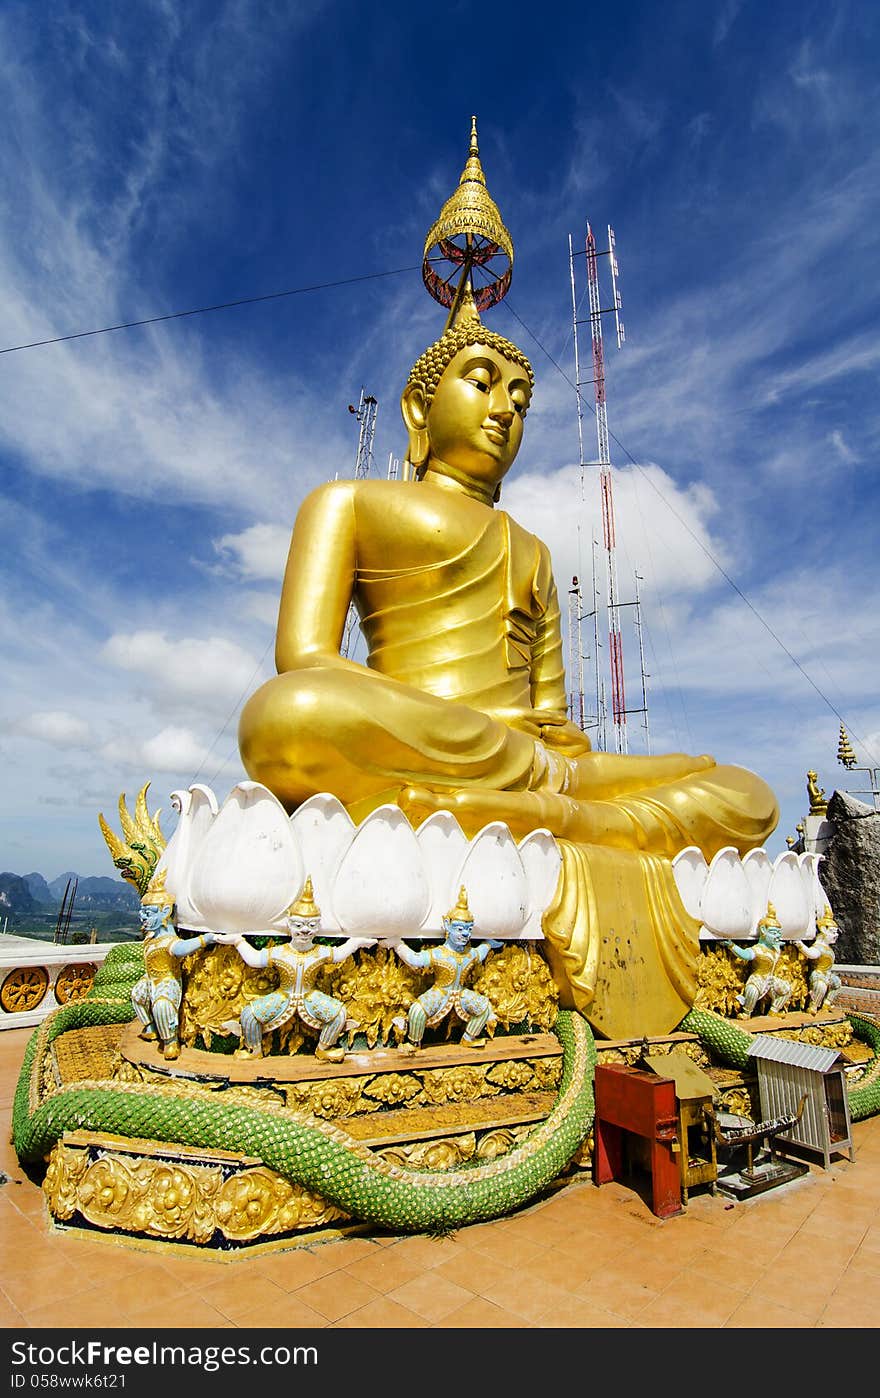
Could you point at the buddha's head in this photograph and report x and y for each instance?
(464, 405)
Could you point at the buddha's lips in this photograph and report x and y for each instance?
(497, 434)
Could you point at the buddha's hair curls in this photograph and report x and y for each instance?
(428, 368)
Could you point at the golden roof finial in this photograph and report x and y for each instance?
(845, 754)
(304, 905)
(470, 235)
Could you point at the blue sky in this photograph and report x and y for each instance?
(164, 156)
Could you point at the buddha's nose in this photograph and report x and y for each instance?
(502, 410)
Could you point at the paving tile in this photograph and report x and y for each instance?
(384, 1272)
(184, 1313)
(289, 1313)
(336, 1295)
(583, 1313)
(431, 1296)
(92, 1306)
(235, 1296)
(479, 1314)
(382, 1314)
(428, 1252)
(291, 1270)
(531, 1297)
(757, 1313)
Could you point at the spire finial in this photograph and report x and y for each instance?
(469, 237)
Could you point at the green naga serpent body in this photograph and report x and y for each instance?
(300, 1147)
(730, 1044)
(320, 1156)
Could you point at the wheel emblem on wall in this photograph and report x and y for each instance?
(23, 989)
(73, 982)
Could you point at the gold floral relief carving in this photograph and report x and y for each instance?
(376, 989)
(720, 979)
(217, 984)
(63, 1177)
(396, 1089)
(171, 1200)
(331, 1098)
(463, 1083)
(520, 987)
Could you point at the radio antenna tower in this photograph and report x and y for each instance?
(613, 606)
(365, 412)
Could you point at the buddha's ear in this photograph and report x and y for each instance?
(414, 408)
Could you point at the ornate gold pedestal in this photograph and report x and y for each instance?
(433, 1109)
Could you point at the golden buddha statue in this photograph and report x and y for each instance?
(461, 705)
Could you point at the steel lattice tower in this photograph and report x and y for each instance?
(606, 494)
(365, 412)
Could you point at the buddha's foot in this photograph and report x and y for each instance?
(149, 1036)
(247, 1053)
(474, 807)
(473, 1043)
(171, 1049)
(330, 1055)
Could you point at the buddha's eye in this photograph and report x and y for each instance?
(480, 383)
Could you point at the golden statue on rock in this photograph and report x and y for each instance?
(461, 705)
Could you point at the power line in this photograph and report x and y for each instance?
(204, 310)
(397, 271)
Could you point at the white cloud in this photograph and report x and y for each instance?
(838, 442)
(662, 530)
(171, 750)
(186, 669)
(57, 727)
(258, 553)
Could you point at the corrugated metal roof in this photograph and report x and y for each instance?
(777, 1050)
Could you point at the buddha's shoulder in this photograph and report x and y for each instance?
(358, 491)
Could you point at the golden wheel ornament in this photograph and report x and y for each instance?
(23, 989)
(73, 982)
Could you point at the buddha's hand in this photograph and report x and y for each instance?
(361, 943)
(552, 729)
(226, 939)
(494, 943)
(560, 734)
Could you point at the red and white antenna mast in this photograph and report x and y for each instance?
(615, 639)
(365, 413)
(606, 494)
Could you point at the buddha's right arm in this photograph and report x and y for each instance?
(318, 581)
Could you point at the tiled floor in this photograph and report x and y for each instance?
(805, 1255)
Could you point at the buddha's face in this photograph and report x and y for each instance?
(475, 419)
